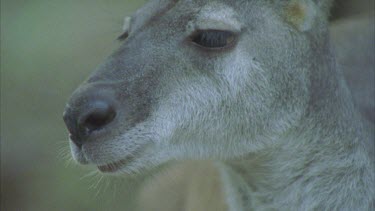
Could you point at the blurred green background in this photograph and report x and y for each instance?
(47, 48)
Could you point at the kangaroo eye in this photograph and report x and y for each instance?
(213, 39)
(123, 36)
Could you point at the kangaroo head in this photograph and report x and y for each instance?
(198, 79)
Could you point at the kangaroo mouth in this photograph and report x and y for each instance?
(115, 166)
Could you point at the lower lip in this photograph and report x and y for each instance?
(113, 167)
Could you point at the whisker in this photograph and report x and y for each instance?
(90, 174)
(64, 154)
(97, 185)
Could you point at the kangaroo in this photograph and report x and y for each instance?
(247, 91)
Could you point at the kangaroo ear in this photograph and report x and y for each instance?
(303, 13)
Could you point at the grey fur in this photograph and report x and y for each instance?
(273, 112)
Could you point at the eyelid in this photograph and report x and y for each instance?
(213, 24)
(217, 25)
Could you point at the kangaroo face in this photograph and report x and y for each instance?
(193, 80)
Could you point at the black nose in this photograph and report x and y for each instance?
(88, 116)
(98, 116)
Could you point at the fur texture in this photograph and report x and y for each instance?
(271, 115)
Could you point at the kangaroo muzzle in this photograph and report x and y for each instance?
(89, 112)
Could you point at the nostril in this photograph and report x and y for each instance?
(100, 115)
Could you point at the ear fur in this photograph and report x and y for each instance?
(302, 14)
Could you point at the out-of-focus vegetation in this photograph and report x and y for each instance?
(47, 48)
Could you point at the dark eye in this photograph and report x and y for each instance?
(213, 39)
(123, 36)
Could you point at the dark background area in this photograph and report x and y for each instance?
(47, 48)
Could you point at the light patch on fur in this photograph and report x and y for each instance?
(301, 14)
(126, 25)
(77, 154)
(216, 16)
